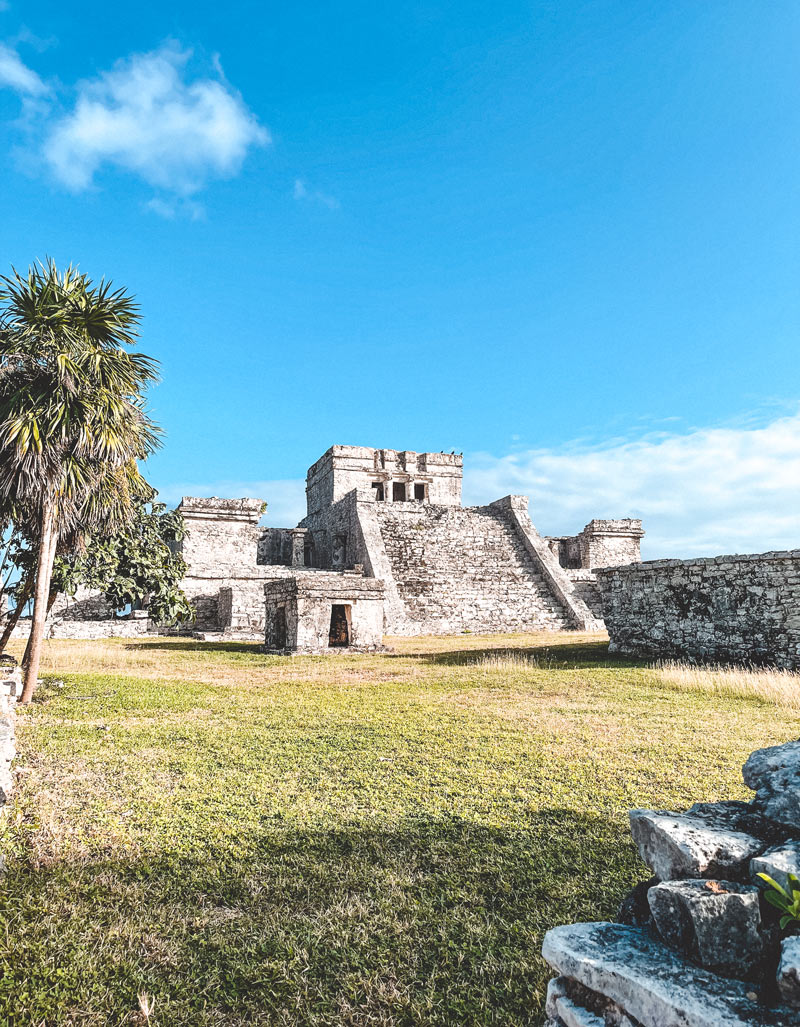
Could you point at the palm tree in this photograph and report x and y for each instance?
(72, 418)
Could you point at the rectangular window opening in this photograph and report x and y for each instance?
(379, 493)
(419, 492)
(398, 492)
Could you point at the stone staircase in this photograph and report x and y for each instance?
(466, 569)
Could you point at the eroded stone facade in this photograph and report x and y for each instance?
(725, 608)
(320, 611)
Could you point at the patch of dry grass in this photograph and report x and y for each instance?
(780, 687)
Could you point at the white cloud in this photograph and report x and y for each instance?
(148, 117)
(16, 75)
(174, 207)
(302, 192)
(705, 492)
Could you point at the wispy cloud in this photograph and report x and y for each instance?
(175, 207)
(149, 117)
(703, 492)
(301, 191)
(16, 75)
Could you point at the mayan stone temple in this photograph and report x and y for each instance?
(385, 548)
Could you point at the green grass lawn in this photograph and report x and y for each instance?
(365, 840)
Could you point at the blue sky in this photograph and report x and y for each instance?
(562, 237)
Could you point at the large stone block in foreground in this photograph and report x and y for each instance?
(650, 983)
(715, 923)
(709, 840)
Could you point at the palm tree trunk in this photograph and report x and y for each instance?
(14, 617)
(51, 602)
(44, 570)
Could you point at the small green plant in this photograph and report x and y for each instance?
(788, 902)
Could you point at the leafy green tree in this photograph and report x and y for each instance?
(72, 418)
(137, 566)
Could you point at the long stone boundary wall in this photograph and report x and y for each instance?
(738, 609)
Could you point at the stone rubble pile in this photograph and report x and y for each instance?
(696, 945)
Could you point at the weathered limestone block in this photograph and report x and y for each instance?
(569, 1004)
(652, 984)
(778, 862)
(774, 775)
(717, 923)
(570, 1014)
(789, 972)
(709, 840)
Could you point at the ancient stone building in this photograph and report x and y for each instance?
(394, 517)
(315, 611)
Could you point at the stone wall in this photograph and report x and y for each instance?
(696, 945)
(726, 608)
(465, 569)
(134, 625)
(10, 690)
(85, 605)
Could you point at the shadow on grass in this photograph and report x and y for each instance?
(436, 922)
(196, 646)
(557, 657)
(562, 656)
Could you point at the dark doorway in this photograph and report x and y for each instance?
(419, 492)
(279, 628)
(379, 494)
(340, 625)
(398, 492)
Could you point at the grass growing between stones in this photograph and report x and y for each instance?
(220, 837)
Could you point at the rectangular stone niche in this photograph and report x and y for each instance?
(322, 611)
